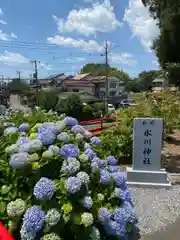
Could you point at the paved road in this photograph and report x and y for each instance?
(172, 232)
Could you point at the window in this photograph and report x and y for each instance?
(112, 85)
(102, 93)
(112, 93)
(102, 85)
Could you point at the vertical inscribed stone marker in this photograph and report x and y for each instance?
(147, 146)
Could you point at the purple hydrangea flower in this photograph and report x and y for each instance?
(127, 196)
(34, 218)
(133, 219)
(69, 121)
(115, 229)
(104, 215)
(77, 129)
(95, 140)
(119, 193)
(47, 138)
(112, 160)
(22, 140)
(95, 167)
(55, 149)
(69, 150)
(24, 127)
(102, 163)
(63, 136)
(122, 215)
(105, 177)
(87, 202)
(44, 189)
(113, 169)
(119, 179)
(90, 153)
(73, 185)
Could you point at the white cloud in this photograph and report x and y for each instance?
(17, 60)
(1, 11)
(3, 22)
(13, 59)
(122, 58)
(99, 18)
(6, 37)
(142, 25)
(88, 46)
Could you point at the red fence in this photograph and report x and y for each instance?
(99, 121)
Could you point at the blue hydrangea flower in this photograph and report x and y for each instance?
(119, 179)
(112, 160)
(115, 229)
(24, 127)
(33, 220)
(69, 121)
(22, 140)
(90, 153)
(105, 177)
(132, 217)
(8, 124)
(113, 169)
(95, 167)
(47, 138)
(70, 166)
(87, 202)
(102, 163)
(127, 196)
(83, 177)
(123, 215)
(119, 193)
(69, 150)
(104, 215)
(86, 145)
(25, 235)
(63, 136)
(10, 130)
(55, 149)
(95, 140)
(19, 160)
(44, 189)
(77, 129)
(73, 185)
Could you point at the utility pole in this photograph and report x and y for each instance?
(19, 75)
(35, 62)
(107, 72)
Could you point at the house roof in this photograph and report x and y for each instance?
(81, 76)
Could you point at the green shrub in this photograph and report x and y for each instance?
(60, 188)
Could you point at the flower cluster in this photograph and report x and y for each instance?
(64, 184)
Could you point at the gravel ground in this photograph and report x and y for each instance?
(156, 208)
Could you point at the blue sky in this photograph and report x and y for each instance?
(65, 35)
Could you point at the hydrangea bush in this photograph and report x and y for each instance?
(54, 186)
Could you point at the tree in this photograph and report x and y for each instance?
(17, 85)
(145, 79)
(132, 86)
(166, 46)
(72, 106)
(47, 99)
(97, 69)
